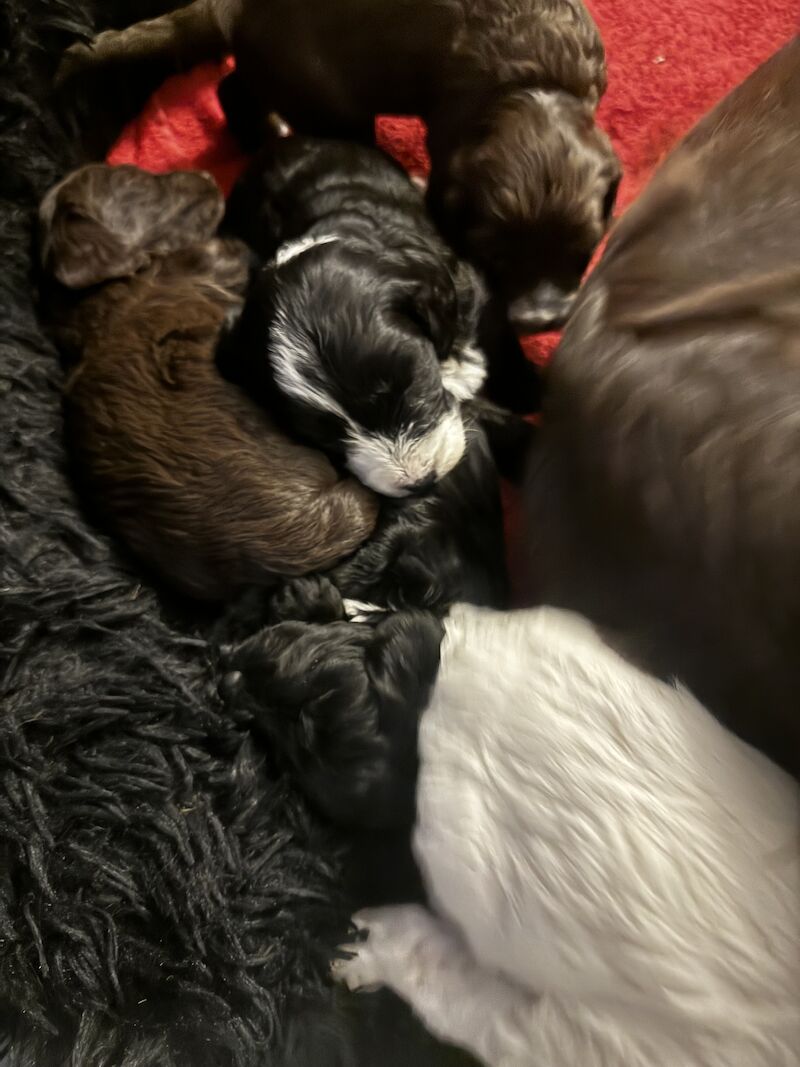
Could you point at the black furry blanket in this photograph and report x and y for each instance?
(166, 900)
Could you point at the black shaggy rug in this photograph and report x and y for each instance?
(166, 899)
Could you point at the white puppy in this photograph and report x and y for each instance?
(615, 877)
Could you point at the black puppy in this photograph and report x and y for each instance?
(360, 330)
(345, 722)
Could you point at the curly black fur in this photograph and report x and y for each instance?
(166, 898)
(342, 701)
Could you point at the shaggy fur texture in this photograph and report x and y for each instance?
(522, 180)
(193, 476)
(617, 877)
(665, 494)
(166, 898)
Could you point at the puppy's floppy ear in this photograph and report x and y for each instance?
(342, 701)
(104, 222)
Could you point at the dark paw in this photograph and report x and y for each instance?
(313, 599)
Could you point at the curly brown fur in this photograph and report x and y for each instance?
(665, 499)
(522, 180)
(180, 463)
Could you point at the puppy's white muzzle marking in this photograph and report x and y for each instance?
(397, 466)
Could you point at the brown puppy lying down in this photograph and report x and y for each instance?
(665, 499)
(180, 463)
(522, 180)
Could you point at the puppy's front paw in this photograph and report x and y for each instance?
(311, 599)
(361, 972)
(395, 936)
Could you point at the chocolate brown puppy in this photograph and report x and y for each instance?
(188, 471)
(665, 489)
(522, 180)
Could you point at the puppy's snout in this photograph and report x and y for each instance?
(546, 308)
(410, 462)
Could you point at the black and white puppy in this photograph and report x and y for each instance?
(613, 878)
(360, 328)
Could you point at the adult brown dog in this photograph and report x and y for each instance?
(522, 180)
(187, 470)
(665, 499)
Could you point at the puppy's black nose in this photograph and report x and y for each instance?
(422, 487)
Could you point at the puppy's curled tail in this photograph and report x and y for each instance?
(341, 702)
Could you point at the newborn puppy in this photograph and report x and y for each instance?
(522, 180)
(360, 331)
(664, 493)
(614, 878)
(187, 470)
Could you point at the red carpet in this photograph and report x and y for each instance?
(669, 61)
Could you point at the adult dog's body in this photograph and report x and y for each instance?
(181, 464)
(616, 876)
(522, 180)
(665, 489)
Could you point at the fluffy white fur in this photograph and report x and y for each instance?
(463, 378)
(394, 465)
(616, 878)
